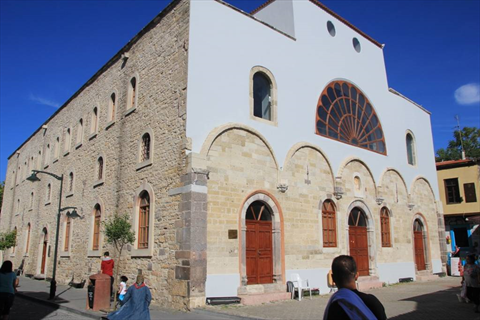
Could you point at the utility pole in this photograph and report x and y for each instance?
(461, 138)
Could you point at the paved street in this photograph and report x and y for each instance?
(24, 309)
(418, 300)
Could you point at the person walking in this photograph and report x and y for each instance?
(348, 302)
(8, 288)
(107, 268)
(136, 303)
(471, 277)
(122, 289)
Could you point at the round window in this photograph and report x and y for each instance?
(331, 28)
(356, 45)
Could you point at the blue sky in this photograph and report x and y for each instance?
(49, 49)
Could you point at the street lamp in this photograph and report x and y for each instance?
(73, 214)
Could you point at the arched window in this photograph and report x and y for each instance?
(100, 168)
(385, 227)
(15, 246)
(68, 225)
(329, 224)
(357, 218)
(80, 132)
(68, 137)
(57, 148)
(132, 94)
(112, 107)
(94, 122)
(18, 205)
(262, 96)
(39, 160)
(47, 155)
(96, 226)
(143, 220)
(49, 193)
(411, 157)
(345, 114)
(145, 148)
(32, 196)
(70, 182)
(27, 244)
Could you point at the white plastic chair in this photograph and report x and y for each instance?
(300, 285)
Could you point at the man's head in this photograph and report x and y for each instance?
(344, 271)
(106, 254)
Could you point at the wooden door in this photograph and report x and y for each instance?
(44, 257)
(419, 250)
(359, 248)
(259, 252)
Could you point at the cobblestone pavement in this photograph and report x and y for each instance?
(418, 300)
(24, 309)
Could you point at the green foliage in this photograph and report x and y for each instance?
(8, 239)
(2, 187)
(471, 144)
(118, 231)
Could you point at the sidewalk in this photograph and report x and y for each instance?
(74, 300)
(407, 301)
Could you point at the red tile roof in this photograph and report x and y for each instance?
(450, 162)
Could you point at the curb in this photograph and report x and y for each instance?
(59, 306)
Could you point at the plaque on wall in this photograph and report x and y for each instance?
(232, 234)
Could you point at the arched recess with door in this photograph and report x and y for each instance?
(262, 259)
(361, 237)
(42, 263)
(421, 250)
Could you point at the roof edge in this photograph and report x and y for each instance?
(107, 65)
(336, 15)
(409, 100)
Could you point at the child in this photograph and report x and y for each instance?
(122, 288)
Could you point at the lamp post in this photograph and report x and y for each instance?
(33, 178)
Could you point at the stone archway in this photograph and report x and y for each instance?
(365, 233)
(271, 249)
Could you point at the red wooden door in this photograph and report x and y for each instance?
(259, 252)
(419, 250)
(44, 257)
(359, 248)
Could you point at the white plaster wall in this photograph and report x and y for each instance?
(317, 278)
(225, 44)
(222, 285)
(391, 272)
(279, 14)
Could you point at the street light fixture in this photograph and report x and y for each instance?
(73, 214)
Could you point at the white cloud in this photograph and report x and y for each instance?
(468, 94)
(44, 101)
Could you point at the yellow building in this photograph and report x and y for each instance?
(459, 184)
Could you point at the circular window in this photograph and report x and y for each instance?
(356, 45)
(331, 28)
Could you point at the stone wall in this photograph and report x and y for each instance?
(158, 59)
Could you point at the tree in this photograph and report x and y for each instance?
(470, 136)
(8, 240)
(118, 232)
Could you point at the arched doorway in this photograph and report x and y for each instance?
(358, 240)
(259, 246)
(418, 240)
(44, 250)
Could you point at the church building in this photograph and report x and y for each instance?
(245, 148)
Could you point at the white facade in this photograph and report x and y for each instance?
(224, 46)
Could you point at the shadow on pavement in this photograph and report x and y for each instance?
(439, 305)
(23, 308)
(43, 296)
